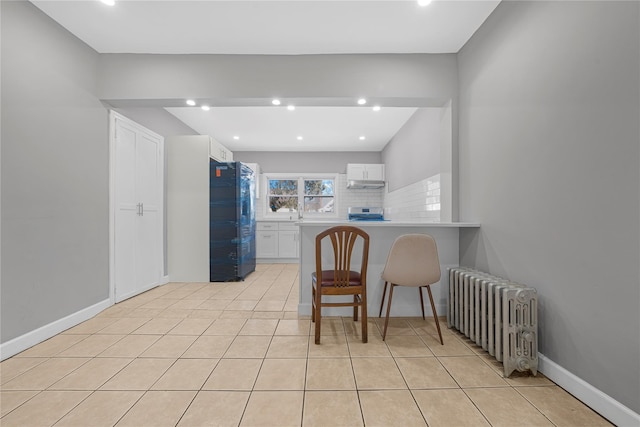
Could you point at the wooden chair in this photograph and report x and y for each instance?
(413, 261)
(341, 279)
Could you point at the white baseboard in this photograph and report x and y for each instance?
(165, 280)
(45, 332)
(600, 402)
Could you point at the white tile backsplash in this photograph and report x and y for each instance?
(418, 201)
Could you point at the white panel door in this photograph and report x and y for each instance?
(148, 188)
(126, 212)
(138, 242)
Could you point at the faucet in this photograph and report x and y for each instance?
(299, 211)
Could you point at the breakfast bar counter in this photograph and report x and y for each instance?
(382, 235)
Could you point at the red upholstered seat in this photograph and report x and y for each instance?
(328, 278)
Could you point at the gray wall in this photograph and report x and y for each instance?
(158, 120)
(228, 77)
(413, 153)
(309, 162)
(55, 216)
(549, 165)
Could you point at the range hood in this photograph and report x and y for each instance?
(364, 184)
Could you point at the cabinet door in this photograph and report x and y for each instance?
(266, 244)
(356, 172)
(219, 152)
(288, 244)
(228, 155)
(138, 246)
(374, 172)
(367, 172)
(148, 191)
(214, 150)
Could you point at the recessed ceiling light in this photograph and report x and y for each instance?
(362, 101)
(423, 2)
(191, 102)
(362, 138)
(276, 102)
(291, 107)
(236, 137)
(205, 107)
(108, 2)
(299, 138)
(376, 108)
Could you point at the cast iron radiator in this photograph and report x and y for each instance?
(499, 315)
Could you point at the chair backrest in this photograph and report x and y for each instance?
(412, 261)
(343, 240)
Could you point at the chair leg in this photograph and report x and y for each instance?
(386, 319)
(313, 303)
(355, 308)
(384, 292)
(364, 319)
(421, 301)
(435, 314)
(318, 315)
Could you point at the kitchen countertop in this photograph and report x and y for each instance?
(387, 223)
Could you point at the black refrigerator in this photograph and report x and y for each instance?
(232, 221)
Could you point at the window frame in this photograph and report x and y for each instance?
(301, 194)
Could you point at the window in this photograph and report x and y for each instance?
(318, 195)
(283, 195)
(310, 194)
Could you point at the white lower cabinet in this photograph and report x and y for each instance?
(288, 246)
(277, 240)
(266, 244)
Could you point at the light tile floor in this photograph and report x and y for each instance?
(218, 354)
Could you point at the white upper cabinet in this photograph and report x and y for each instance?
(365, 172)
(219, 152)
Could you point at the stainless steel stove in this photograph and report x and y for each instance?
(366, 214)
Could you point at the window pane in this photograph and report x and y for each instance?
(318, 204)
(283, 203)
(318, 187)
(283, 187)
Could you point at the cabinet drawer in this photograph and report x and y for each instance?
(266, 226)
(287, 226)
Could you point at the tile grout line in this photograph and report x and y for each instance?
(274, 289)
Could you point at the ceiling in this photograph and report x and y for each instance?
(330, 128)
(268, 27)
